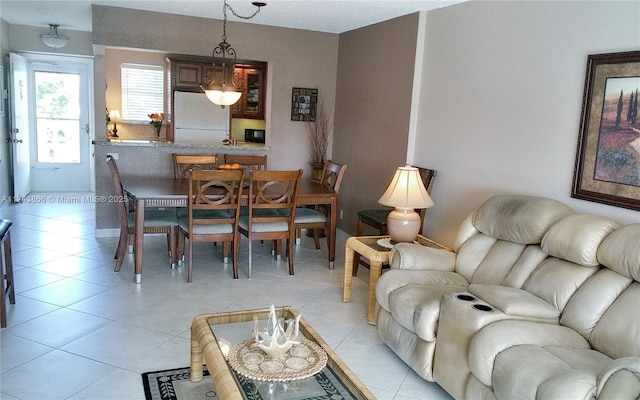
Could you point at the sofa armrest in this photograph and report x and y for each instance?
(418, 257)
(515, 302)
(620, 380)
(499, 336)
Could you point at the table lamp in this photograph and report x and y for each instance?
(406, 193)
(114, 115)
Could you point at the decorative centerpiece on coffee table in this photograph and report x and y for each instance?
(277, 354)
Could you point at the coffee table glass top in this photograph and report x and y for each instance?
(335, 380)
(374, 242)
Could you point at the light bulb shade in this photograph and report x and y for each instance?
(406, 190)
(114, 115)
(223, 97)
(52, 39)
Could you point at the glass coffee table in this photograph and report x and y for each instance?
(336, 380)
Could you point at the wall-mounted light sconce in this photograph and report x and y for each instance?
(53, 39)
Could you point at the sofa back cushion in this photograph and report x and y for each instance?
(518, 218)
(499, 242)
(572, 244)
(605, 308)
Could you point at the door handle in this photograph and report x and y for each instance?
(17, 140)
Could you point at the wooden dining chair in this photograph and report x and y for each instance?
(155, 221)
(270, 192)
(213, 213)
(377, 219)
(316, 218)
(183, 162)
(252, 162)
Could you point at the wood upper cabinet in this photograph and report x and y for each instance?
(251, 104)
(189, 72)
(187, 75)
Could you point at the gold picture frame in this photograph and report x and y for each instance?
(607, 167)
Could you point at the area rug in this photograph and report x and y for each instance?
(174, 384)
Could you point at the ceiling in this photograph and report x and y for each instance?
(333, 16)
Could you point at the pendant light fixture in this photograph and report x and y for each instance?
(223, 88)
(52, 39)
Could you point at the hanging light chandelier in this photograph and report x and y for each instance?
(52, 39)
(223, 88)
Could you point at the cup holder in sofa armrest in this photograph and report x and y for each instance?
(482, 307)
(466, 297)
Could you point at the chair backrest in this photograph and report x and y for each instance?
(274, 191)
(183, 162)
(428, 177)
(123, 206)
(332, 174)
(252, 162)
(215, 190)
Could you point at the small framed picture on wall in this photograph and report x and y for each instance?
(303, 104)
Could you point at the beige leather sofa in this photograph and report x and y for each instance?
(535, 302)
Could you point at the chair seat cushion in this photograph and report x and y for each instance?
(155, 218)
(306, 215)
(258, 227)
(379, 216)
(205, 229)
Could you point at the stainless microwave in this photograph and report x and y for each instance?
(254, 135)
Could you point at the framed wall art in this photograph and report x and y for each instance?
(607, 168)
(303, 104)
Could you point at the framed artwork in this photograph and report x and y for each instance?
(303, 104)
(607, 168)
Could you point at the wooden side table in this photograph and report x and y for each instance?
(368, 247)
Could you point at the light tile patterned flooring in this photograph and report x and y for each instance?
(79, 330)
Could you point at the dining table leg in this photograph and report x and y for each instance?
(138, 246)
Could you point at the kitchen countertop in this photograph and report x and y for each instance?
(161, 143)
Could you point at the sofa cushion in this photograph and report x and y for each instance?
(577, 237)
(619, 251)
(519, 218)
(550, 372)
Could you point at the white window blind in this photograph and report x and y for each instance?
(142, 91)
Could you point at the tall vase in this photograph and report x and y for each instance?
(316, 174)
(158, 127)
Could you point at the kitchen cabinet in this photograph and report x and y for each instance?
(251, 103)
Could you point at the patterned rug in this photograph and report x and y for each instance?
(174, 384)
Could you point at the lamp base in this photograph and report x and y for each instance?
(403, 224)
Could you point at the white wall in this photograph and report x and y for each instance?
(500, 100)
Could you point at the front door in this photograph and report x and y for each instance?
(60, 153)
(19, 134)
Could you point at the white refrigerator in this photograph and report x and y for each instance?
(197, 120)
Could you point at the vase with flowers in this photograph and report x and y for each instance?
(319, 138)
(156, 121)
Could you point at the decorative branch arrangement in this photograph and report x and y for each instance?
(319, 133)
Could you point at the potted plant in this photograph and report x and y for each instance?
(319, 137)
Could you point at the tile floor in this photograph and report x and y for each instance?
(79, 330)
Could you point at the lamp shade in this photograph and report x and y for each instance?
(114, 115)
(406, 193)
(406, 190)
(223, 97)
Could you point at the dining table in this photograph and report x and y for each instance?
(162, 192)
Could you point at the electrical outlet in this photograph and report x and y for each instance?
(114, 155)
(341, 214)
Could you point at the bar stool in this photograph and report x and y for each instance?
(6, 270)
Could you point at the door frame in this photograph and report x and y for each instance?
(89, 63)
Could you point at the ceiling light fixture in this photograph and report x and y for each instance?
(52, 39)
(223, 88)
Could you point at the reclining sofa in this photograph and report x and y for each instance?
(534, 302)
